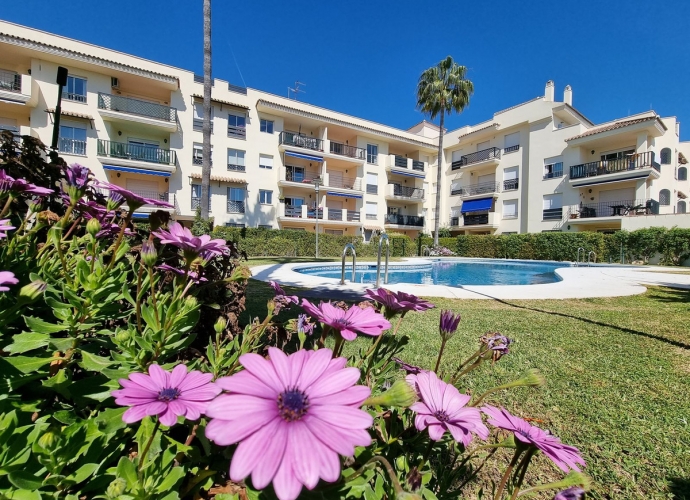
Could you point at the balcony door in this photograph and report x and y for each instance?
(143, 149)
(486, 183)
(483, 145)
(615, 197)
(147, 189)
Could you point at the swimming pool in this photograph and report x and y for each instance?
(448, 272)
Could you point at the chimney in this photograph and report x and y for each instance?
(548, 91)
(568, 95)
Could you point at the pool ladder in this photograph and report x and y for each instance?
(577, 260)
(349, 246)
(384, 236)
(590, 260)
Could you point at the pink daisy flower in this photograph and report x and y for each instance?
(397, 302)
(442, 408)
(166, 394)
(565, 457)
(292, 416)
(348, 323)
(4, 227)
(181, 237)
(7, 278)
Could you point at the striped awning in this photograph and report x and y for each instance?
(594, 183)
(344, 195)
(408, 174)
(304, 156)
(132, 170)
(220, 178)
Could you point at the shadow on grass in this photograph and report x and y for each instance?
(599, 323)
(680, 488)
(671, 294)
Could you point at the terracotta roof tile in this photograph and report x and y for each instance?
(70, 113)
(613, 126)
(219, 101)
(220, 178)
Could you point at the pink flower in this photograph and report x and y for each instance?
(282, 301)
(292, 416)
(133, 200)
(5, 226)
(442, 408)
(565, 457)
(191, 245)
(348, 323)
(398, 302)
(7, 278)
(16, 186)
(166, 394)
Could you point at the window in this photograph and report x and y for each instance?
(265, 161)
(237, 125)
(681, 207)
(510, 209)
(294, 174)
(372, 183)
(265, 197)
(664, 197)
(372, 154)
(265, 226)
(72, 140)
(481, 146)
(196, 197)
(511, 142)
(198, 154)
(75, 89)
(553, 170)
(234, 224)
(371, 210)
(682, 174)
(235, 200)
(618, 155)
(666, 156)
(510, 179)
(335, 232)
(199, 116)
(236, 160)
(267, 126)
(553, 207)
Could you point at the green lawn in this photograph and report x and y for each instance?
(617, 371)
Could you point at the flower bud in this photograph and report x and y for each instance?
(49, 440)
(220, 324)
(93, 227)
(401, 394)
(191, 302)
(122, 336)
(149, 254)
(114, 201)
(448, 324)
(32, 291)
(414, 479)
(116, 488)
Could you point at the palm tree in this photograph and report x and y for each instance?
(206, 129)
(442, 89)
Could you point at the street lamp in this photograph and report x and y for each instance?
(317, 184)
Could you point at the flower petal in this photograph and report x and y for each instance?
(159, 376)
(193, 380)
(178, 375)
(279, 361)
(267, 467)
(227, 432)
(342, 416)
(285, 483)
(250, 451)
(145, 381)
(245, 383)
(263, 370)
(240, 406)
(315, 366)
(352, 396)
(334, 382)
(134, 414)
(340, 440)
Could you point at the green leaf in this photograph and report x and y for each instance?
(84, 472)
(39, 326)
(24, 364)
(25, 495)
(171, 479)
(110, 420)
(66, 417)
(127, 471)
(94, 363)
(24, 480)
(61, 344)
(26, 342)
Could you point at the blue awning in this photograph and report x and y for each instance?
(344, 195)
(131, 170)
(303, 156)
(408, 174)
(479, 205)
(140, 215)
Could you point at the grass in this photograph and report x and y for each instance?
(618, 380)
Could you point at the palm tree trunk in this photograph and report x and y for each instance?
(439, 162)
(206, 130)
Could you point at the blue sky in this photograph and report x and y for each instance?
(364, 57)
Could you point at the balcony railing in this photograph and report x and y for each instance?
(235, 207)
(10, 81)
(372, 189)
(482, 188)
(483, 155)
(510, 149)
(408, 192)
(136, 152)
(237, 89)
(475, 219)
(632, 162)
(552, 213)
(353, 216)
(418, 165)
(372, 216)
(300, 141)
(72, 146)
(335, 214)
(156, 195)
(556, 171)
(240, 132)
(136, 107)
(73, 96)
(350, 151)
(405, 220)
(197, 159)
(198, 125)
(510, 184)
(342, 182)
(400, 161)
(299, 176)
(624, 208)
(237, 168)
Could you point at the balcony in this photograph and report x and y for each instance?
(10, 81)
(115, 107)
(235, 207)
(476, 189)
(338, 181)
(398, 191)
(624, 208)
(511, 184)
(475, 219)
(335, 215)
(15, 88)
(237, 132)
(303, 177)
(72, 146)
(511, 149)
(418, 165)
(485, 156)
(340, 149)
(404, 220)
(396, 163)
(622, 166)
(552, 213)
(300, 141)
(137, 155)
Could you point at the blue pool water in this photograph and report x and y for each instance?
(450, 273)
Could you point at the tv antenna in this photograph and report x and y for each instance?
(296, 90)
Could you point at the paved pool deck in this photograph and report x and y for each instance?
(576, 283)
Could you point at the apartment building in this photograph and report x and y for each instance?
(280, 163)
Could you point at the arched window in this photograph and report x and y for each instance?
(666, 156)
(681, 207)
(682, 174)
(665, 197)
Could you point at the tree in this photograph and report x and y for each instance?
(442, 89)
(206, 130)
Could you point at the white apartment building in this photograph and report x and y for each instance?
(280, 163)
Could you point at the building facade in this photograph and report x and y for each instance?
(280, 163)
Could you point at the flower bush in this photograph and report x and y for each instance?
(125, 373)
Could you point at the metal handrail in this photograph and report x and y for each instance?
(483, 155)
(349, 246)
(589, 257)
(137, 152)
(338, 148)
(577, 259)
(300, 140)
(631, 162)
(139, 107)
(426, 251)
(384, 236)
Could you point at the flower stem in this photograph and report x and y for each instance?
(153, 296)
(338, 345)
(506, 475)
(522, 469)
(148, 445)
(477, 469)
(426, 454)
(6, 208)
(120, 237)
(440, 353)
(386, 465)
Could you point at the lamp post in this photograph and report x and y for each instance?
(61, 81)
(317, 184)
